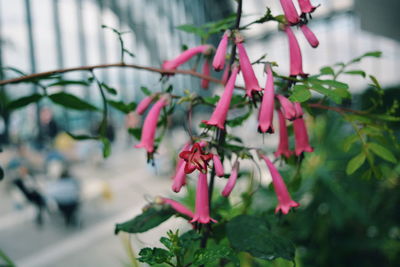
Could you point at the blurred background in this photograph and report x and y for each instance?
(38, 36)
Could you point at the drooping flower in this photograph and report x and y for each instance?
(144, 104)
(284, 199)
(283, 147)
(306, 6)
(220, 54)
(202, 209)
(287, 107)
(231, 181)
(296, 61)
(225, 75)
(246, 68)
(150, 126)
(218, 117)
(219, 168)
(290, 11)
(179, 207)
(301, 137)
(266, 114)
(195, 159)
(205, 71)
(179, 179)
(310, 36)
(184, 57)
(299, 110)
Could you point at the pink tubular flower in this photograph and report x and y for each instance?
(220, 54)
(296, 61)
(299, 110)
(144, 104)
(225, 76)
(150, 126)
(284, 199)
(290, 11)
(283, 147)
(218, 117)
(206, 71)
(231, 181)
(249, 77)
(179, 178)
(310, 36)
(184, 57)
(265, 117)
(306, 6)
(287, 107)
(301, 137)
(180, 208)
(202, 212)
(219, 168)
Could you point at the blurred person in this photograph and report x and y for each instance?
(65, 191)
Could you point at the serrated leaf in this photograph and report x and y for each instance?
(327, 71)
(251, 234)
(150, 218)
(300, 93)
(145, 90)
(355, 163)
(382, 152)
(356, 72)
(71, 101)
(121, 106)
(24, 101)
(214, 254)
(154, 256)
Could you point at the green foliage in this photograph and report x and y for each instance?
(121, 106)
(355, 163)
(150, 218)
(213, 254)
(23, 101)
(5, 260)
(382, 152)
(300, 93)
(145, 90)
(71, 101)
(251, 234)
(135, 132)
(154, 255)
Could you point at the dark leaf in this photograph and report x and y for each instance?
(251, 234)
(375, 82)
(154, 255)
(82, 137)
(109, 89)
(356, 72)
(214, 254)
(150, 218)
(145, 90)
(71, 101)
(189, 28)
(1, 173)
(68, 82)
(136, 132)
(212, 100)
(239, 120)
(121, 106)
(23, 101)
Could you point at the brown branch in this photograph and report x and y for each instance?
(337, 109)
(104, 66)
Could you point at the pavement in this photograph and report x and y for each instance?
(114, 191)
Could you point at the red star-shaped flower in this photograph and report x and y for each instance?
(195, 159)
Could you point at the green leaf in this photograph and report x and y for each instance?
(327, 71)
(212, 100)
(136, 132)
(154, 255)
(251, 234)
(329, 93)
(71, 101)
(150, 218)
(121, 106)
(355, 163)
(239, 120)
(24, 101)
(382, 152)
(341, 92)
(212, 255)
(300, 93)
(356, 72)
(385, 117)
(6, 260)
(375, 82)
(349, 141)
(145, 90)
(190, 28)
(109, 89)
(106, 147)
(333, 83)
(82, 137)
(68, 82)
(376, 54)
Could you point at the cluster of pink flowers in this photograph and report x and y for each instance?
(194, 156)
